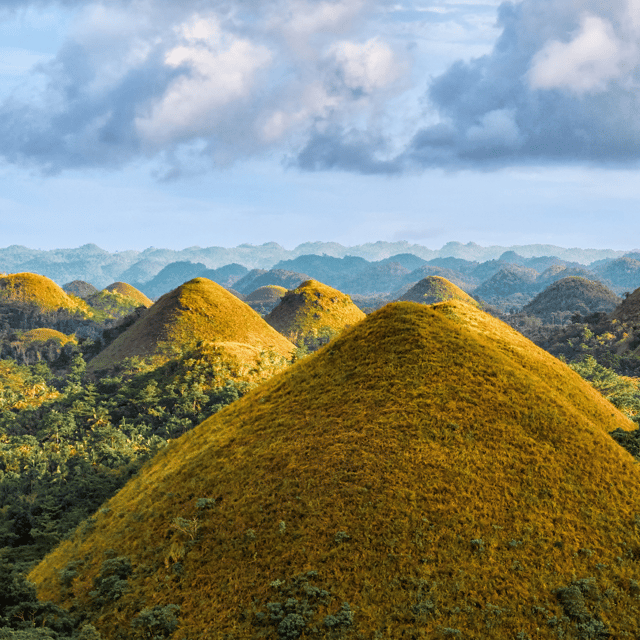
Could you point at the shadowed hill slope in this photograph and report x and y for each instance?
(629, 309)
(265, 299)
(434, 289)
(313, 309)
(568, 296)
(431, 468)
(79, 288)
(197, 310)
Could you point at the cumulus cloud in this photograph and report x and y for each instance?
(331, 84)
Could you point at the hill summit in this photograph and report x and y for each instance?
(433, 289)
(430, 473)
(197, 310)
(313, 309)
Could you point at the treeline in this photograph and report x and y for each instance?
(68, 443)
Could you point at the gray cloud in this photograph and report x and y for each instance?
(202, 83)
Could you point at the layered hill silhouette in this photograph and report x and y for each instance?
(430, 473)
(569, 296)
(433, 289)
(197, 310)
(313, 310)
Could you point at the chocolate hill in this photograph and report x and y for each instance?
(430, 473)
(434, 289)
(313, 309)
(38, 293)
(265, 299)
(118, 300)
(197, 310)
(79, 288)
(568, 296)
(629, 309)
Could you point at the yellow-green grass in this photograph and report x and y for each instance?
(312, 308)
(38, 291)
(20, 390)
(433, 289)
(268, 293)
(199, 310)
(438, 470)
(42, 335)
(127, 291)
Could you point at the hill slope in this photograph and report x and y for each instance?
(434, 289)
(37, 292)
(431, 468)
(265, 299)
(311, 310)
(197, 310)
(568, 296)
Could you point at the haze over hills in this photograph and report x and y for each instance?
(429, 473)
(99, 267)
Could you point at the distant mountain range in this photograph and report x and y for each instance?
(100, 267)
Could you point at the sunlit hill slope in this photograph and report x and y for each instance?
(197, 310)
(441, 474)
(39, 293)
(312, 308)
(433, 289)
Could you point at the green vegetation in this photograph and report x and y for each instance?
(443, 476)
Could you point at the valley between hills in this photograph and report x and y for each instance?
(378, 442)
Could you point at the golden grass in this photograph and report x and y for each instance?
(44, 335)
(312, 307)
(433, 289)
(38, 291)
(127, 291)
(197, 310)
(468, 467)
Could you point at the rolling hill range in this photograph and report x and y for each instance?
(313, 311)
(197, 310)
(428, 474)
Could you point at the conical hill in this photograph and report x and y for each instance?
(433, 289)
(265, 299)
(37, 292)
(313, 309)
(431, 468)
(118, 300)
(197, 310)
(568, 296)
(127, 291)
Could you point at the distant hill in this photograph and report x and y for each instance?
(433, 289)
(623, 274)
(79, 288)
(118, 300)
(430, 473)
(569, 296)
(628, 310)
(197, 310)
(265, 299)
(172, 276)
(275, 277)
(313, 311)
(512, 286)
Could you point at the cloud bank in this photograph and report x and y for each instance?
(326, 84)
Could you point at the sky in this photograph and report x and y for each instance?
(131, 124)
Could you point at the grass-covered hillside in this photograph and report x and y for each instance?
(433, 289)
(118, 300)
(197, 310)
(428, 474)
(265, 299)
(313, 312)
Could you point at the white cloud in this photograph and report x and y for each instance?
(221, 68)
(368, 66)
(586, 63)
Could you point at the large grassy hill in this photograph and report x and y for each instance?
(428, 474)
(197, 310)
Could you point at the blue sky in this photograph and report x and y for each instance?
(144, 123)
